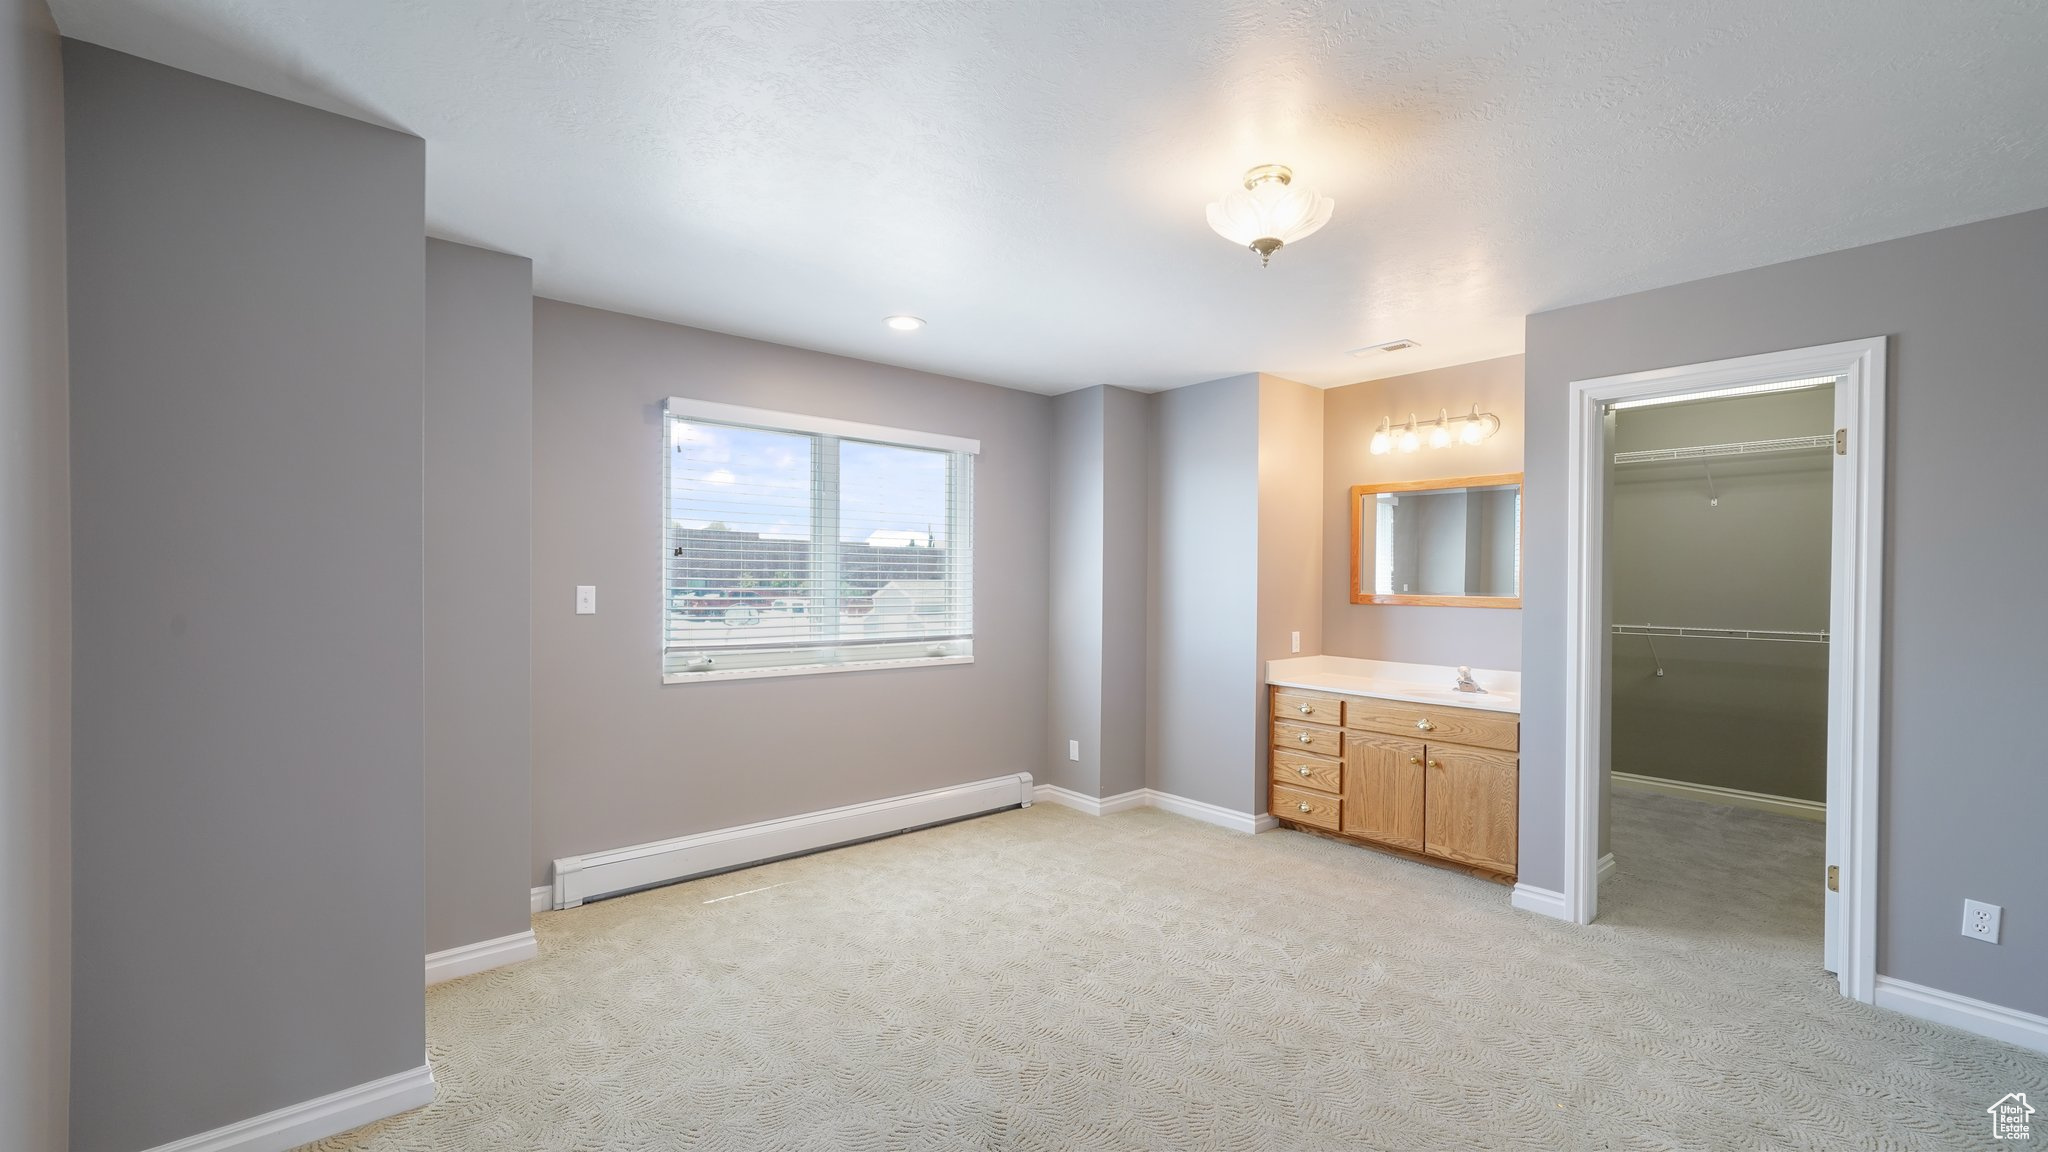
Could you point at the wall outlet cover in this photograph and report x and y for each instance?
(1296, 641)
(1980, 920)
(1074, 750)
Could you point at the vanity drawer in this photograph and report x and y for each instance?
(1434, 724)
(1301, 770)
(1307, 738)
(1307, 707)
(1313, 808)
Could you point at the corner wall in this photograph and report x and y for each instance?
(1479, 637)
(246, 303)
(35, 591)
(1961, 803)
(1290, 538)
(621, 758)
(1205, 736)
(479, 558)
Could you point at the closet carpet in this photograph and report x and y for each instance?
(1041, 979)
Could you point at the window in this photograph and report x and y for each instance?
(794, 544)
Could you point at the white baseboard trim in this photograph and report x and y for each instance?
(1763, 801)
(1994, 1021)
(1542, 901)
(580, 878)
(1603, 868)
(541, 899)
(316, 1119)
(481, 956)
(1164, 801)
(1082, 802)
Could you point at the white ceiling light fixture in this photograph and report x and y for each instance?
(904, 323)
(1724, 393)
(1270, 213)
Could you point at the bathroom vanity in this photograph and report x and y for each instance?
(1395, 757)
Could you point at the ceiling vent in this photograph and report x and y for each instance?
(1389, 346)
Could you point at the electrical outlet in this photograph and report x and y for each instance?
(1296, 642)
(1074, 751)
(1980, 920)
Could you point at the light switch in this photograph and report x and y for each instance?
(586, 599)
(1296, 642)
(1074, 750)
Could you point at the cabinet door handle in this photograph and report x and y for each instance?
(1436, 764)
(1415, 759)
(1304, 806)
(1305, 738)
(1307, 709)
(1425, 726)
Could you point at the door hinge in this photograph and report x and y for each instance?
(1834, 878)
(1841, 441)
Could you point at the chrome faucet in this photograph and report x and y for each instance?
(1465, 681)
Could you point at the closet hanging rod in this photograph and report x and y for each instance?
(1777, 635)
(1737, 448)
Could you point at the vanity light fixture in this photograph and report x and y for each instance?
(1270, 212)
(1442, 432)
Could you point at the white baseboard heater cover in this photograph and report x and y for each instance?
(580, 878)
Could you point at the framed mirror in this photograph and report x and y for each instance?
(1449, 543)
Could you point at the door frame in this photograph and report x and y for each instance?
(1855, 625)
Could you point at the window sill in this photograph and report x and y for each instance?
(809, 669)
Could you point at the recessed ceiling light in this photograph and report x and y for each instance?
(1389, 346)
(904, 323)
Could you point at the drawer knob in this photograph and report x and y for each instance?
(1304, 806)
(1307, 708)
(1425, 725)
(1303, 769)
(1305, 738)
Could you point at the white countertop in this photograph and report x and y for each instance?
(1386, 680)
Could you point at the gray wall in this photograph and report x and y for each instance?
(1732, 714)
(1074, 710)
(1480, 637)
(1097, 691)
(35, 591)
(479, 553)
(1290, 520)
(1126, 472)
(1204, 735)
(1961, 803)
(620, 758)
(246, 282)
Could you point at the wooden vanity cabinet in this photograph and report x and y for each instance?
(1433, 782)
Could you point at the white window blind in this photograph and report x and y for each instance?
(794, 544)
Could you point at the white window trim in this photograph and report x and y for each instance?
(822, 425)
(678, 407)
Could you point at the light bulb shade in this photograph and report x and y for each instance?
(1409, 441)
(1271, 209)
(1478, 426)
(1381, 442)
(1440, 432)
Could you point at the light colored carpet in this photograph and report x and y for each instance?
(1047, 980)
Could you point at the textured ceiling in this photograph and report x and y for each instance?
(1031, 177)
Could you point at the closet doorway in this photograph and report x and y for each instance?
(1835, 664)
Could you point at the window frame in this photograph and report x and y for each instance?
(825, 516)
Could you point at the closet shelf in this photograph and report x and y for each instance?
(1716, 451)
(1777, 635)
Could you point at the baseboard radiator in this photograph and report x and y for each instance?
(581, 878)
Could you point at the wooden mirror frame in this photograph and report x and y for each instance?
(1358, 491)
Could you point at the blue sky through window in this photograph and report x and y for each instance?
(753, 480)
